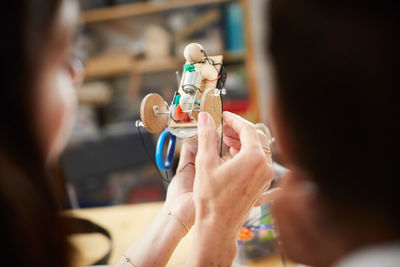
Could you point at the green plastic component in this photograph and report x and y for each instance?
(266, 220)
(188, 67)
(176, 100)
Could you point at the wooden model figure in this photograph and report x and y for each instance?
(200, 89)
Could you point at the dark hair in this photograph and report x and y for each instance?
(30, 225)
(336, 65)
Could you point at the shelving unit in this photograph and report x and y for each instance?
(127, 73)
(105, 65)
(140, 9)
(116, 65)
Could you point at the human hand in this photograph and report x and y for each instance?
(232, 141)
(180, 190)
(225, 191)
(156, 245)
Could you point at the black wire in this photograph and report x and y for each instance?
(187, 164)
(220, 95)
(211, 62)
(151, 158)
(222, 124)
(166, 174)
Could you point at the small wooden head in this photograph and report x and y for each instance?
(193, 53)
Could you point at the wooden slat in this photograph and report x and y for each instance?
(200, 23)
(123, 63)
(109, 64)
(119, 64)
(138, 9)
(250, 65)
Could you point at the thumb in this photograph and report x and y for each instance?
(207, 138)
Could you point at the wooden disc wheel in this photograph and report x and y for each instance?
(153, 122)
(212, 104)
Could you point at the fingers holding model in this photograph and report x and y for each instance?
(231, 137)
(225, 191)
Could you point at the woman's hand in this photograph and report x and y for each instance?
(225, 191)
(232, 140)
(156, 245)
(233, 185)
(180, 191)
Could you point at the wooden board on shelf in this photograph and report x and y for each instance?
(155, 65)
(109, 64)
(198, 24)
(139, 9)
(250, 63)
(123, 63)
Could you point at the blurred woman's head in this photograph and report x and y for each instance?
(37, 109)
(56, 99)
(336, 82)
(39, 74)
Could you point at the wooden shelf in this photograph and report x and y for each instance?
(138, 9)
(114, 64)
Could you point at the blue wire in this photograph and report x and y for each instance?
(167, 164)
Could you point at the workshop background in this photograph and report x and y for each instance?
(130, 48)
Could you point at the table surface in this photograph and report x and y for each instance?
(125, 224)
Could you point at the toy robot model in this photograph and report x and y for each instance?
(200, 89)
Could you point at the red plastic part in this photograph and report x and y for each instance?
(179, 114)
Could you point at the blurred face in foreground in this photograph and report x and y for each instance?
(56, 96)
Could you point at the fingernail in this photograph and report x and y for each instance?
(203, 118)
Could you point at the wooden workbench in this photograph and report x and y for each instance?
(125, 224)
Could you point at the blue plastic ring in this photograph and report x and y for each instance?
(167, 164)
